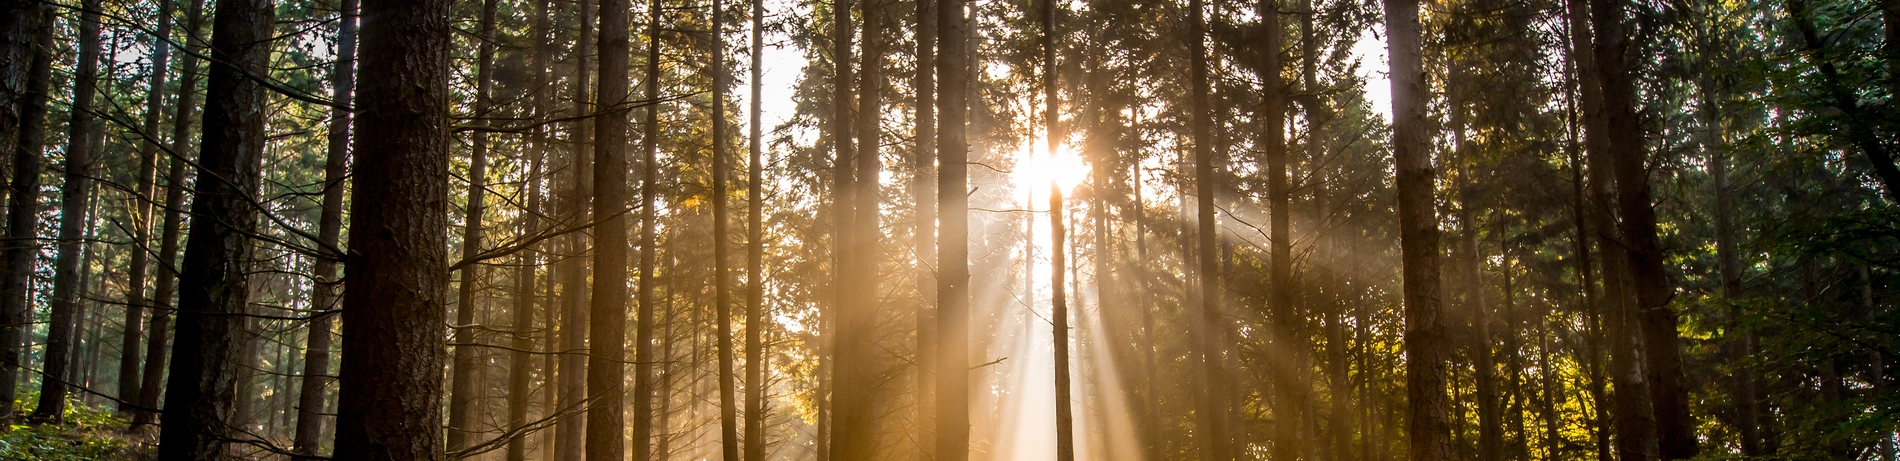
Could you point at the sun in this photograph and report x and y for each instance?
(1039, 168)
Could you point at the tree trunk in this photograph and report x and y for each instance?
(649, 220)
(136, 278)
(316, 367)
(569, 432)
(199, 420)
(607, 329)
(1662, 351)
(396, 278)
(1425, 348)
(1058, 301)
(23, 207)
(1213, 412)
(74, 194)
(465, 406)
(953, 273)
(155, 350)
(722, 283)
(755, 322)
(520, 361)
(924, 220)
(831, 433)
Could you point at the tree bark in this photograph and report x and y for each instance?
(396, 277)
(1213, 411)
(953, 200)
(844, 245)
(570, 431)
(924, 219)
(133, 330)
(722, 283)
(465, 392)
(155, 350)
(1425, 347)
(1662, 351)
(755, 322)
(311, 399)
(520, 361)
(23, 208)
(199, 420)
(1058, 301)
(607, 329)
(858, 366)
(643, 388)
(74, 194)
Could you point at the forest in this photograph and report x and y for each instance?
(949, 230)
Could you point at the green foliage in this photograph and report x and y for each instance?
(88, 433)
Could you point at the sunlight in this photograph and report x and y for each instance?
(1065, 168)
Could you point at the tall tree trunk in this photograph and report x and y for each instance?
(923, 191)
(396, 278)
(520, 361)
(755, 249)
(1058, 301)
(1213, 412)
(23, 206)
(844, 245)
(155, 351)
(1662, 351)
(722, 283)
(199, 420)
(74, 194)
(1425, 347)
(136, 273)
(569, 432)
(607, 328)
(953, 246)
(465, 406)
(649, 220)
(311, 404)
(1294, 385)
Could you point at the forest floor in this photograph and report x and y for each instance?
(88, 433)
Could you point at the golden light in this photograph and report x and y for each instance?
(1036, 171)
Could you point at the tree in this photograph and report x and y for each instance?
(75, 194)
(199, 419)
(722, 289)
(1661, 347)
(311, 402)
(649, 220)
(606, 363)
(464, 397)
(133, 331)
(953, 252)
(169, 238)
(1206, 329)
(1418, 236)
(1058, 302)
(396, 277)
(755, 249)
(35, 31)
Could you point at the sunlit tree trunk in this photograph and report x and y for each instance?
(924, 219)
(1212, 412)
(607, 318)
(571, 393)
(396, 278)
(858, 366)
(953, 200)
(755, 323)
(1425, 347)
(1058, 300)
(465, 392)
(844, 244)
(521, 360)
(199, 418)
(643, 388)
(722, 283)
(75, 192)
